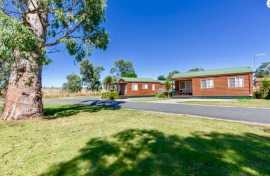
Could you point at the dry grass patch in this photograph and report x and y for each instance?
(58, 92)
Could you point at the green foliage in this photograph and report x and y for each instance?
(76, 24)
(123, 68)
(196, 69)
(73, 84)
(161, 95)
(172, 73)
(108, 82)
(169, 76)
(263, 70)
(4, 75)
(15, 36)
(168, 85)
(257, 95)
(265, 89)
(90, 75)
(161, 78)
(111, 95)
(129, 75)
(82, 18)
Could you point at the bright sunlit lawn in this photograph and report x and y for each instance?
(83, 140)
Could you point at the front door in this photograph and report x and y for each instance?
(122, 89)
(185, 87)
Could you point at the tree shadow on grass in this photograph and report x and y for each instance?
(152, 153)
(54, 112)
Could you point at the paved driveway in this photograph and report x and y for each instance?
(228, 113)
(255, 115)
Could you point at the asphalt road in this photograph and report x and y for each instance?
(228, 113)
(255, 115)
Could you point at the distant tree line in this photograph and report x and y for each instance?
(90, 76)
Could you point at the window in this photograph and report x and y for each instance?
(145, 86)
(153, 87)
(235, 82)
(134, 87)
(207, 84)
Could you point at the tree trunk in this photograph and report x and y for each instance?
(24, 97)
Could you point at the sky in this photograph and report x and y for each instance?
(159, 36)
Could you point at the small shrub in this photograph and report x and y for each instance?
(265, 89)
(258, 95)
(267, 97)
(161, 95)
(111, 95)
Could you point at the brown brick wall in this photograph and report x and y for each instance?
(221, 86)
(144, 92)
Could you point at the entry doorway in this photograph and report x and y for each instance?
(185, 87)
(122, 89)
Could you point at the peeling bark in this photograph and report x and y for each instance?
(24, 96)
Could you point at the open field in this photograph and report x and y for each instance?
(83, 140)
(58, 92)
(258, 103)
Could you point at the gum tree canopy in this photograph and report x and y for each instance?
(31, 28)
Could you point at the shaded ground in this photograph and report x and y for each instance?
(151, 152)
(78, 140)
(56, 111)
(67, 100)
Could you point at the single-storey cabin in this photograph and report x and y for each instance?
(130, 87)
(228, 82)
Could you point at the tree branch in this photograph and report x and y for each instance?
(57, 41)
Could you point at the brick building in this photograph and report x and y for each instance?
(139, 86)
(227, 82)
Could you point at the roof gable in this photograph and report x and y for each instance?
(213, 72)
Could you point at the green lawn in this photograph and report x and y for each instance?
(80, 141)
(237, 103)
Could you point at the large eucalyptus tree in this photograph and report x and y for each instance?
(29, 29)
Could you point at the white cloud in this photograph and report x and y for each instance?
(260, 54)
(268, 3)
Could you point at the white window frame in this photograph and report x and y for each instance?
(237, 82)
(145, 86)
(134, 87)
(209, 84)
(153, 87)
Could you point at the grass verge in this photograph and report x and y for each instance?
(83, 140)
(236, 103)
